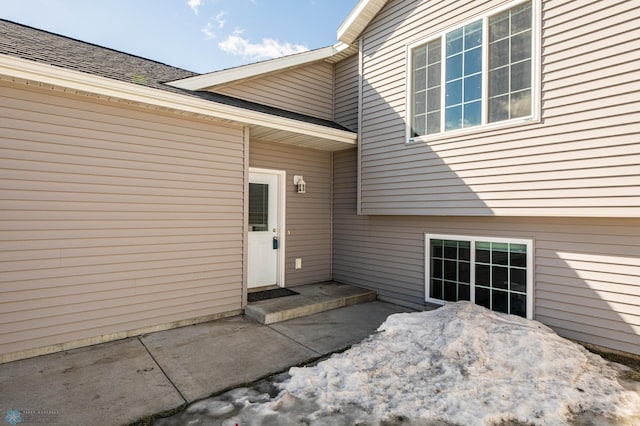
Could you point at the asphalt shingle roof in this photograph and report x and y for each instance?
(42, 46)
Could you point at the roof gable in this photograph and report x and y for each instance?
(207, 81)
(31, 54)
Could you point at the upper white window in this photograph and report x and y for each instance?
(476, 74)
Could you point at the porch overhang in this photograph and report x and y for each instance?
(264, 126)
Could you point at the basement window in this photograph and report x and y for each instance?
(493, 272)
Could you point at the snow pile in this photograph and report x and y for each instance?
(467, 365)
(460, 364)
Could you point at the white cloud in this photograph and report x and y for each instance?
(208, 31)
(269, 48)
(215, 23)
(195, 4)
(219, 19)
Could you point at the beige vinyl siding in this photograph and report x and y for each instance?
(306, 90)
(308, 216)
(586, 269)
(113, 218)
(346, 93)
(580, 159)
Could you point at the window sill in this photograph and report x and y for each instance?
(501, 127)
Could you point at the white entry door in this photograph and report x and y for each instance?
(265, 221)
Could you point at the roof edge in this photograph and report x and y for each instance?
(361, 15)
(14, 67)
(205, 81)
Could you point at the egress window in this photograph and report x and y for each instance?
(492, 272)
(476, 74)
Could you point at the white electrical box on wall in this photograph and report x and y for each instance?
(298, 263)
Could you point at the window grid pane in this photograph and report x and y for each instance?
(426, 89)
(463, 77)
(450, 278)
(510, 64)
(500, 279)
(258, 207)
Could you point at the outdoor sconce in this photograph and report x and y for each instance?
(300, 183)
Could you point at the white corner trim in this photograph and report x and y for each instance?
(18, 68)
(205, 81)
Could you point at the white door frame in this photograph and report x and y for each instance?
(282, 203)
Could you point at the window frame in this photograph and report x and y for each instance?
(472, 239)
(484, 124)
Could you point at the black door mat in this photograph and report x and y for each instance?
(270, 294)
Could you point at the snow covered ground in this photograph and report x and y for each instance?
(460, 364)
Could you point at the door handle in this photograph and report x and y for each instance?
(276, 243)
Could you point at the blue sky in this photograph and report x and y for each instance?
(198, 35)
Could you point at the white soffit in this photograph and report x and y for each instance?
(205, 81)
(358, 19)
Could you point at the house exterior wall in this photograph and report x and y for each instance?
(579, 159)
(306, 90)
(586, 269)
(113, 219)
(308, 216)
(346, 93)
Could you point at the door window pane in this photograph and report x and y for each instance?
(258, 207)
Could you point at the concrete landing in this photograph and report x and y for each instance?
(121, 382)
(312, 299)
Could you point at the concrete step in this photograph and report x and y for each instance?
(312, 299)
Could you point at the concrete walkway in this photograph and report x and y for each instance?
(120, 382)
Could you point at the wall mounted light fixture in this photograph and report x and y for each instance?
(300, 183)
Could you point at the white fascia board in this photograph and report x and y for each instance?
(18, 68)
(205, 81)
(358, 19)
